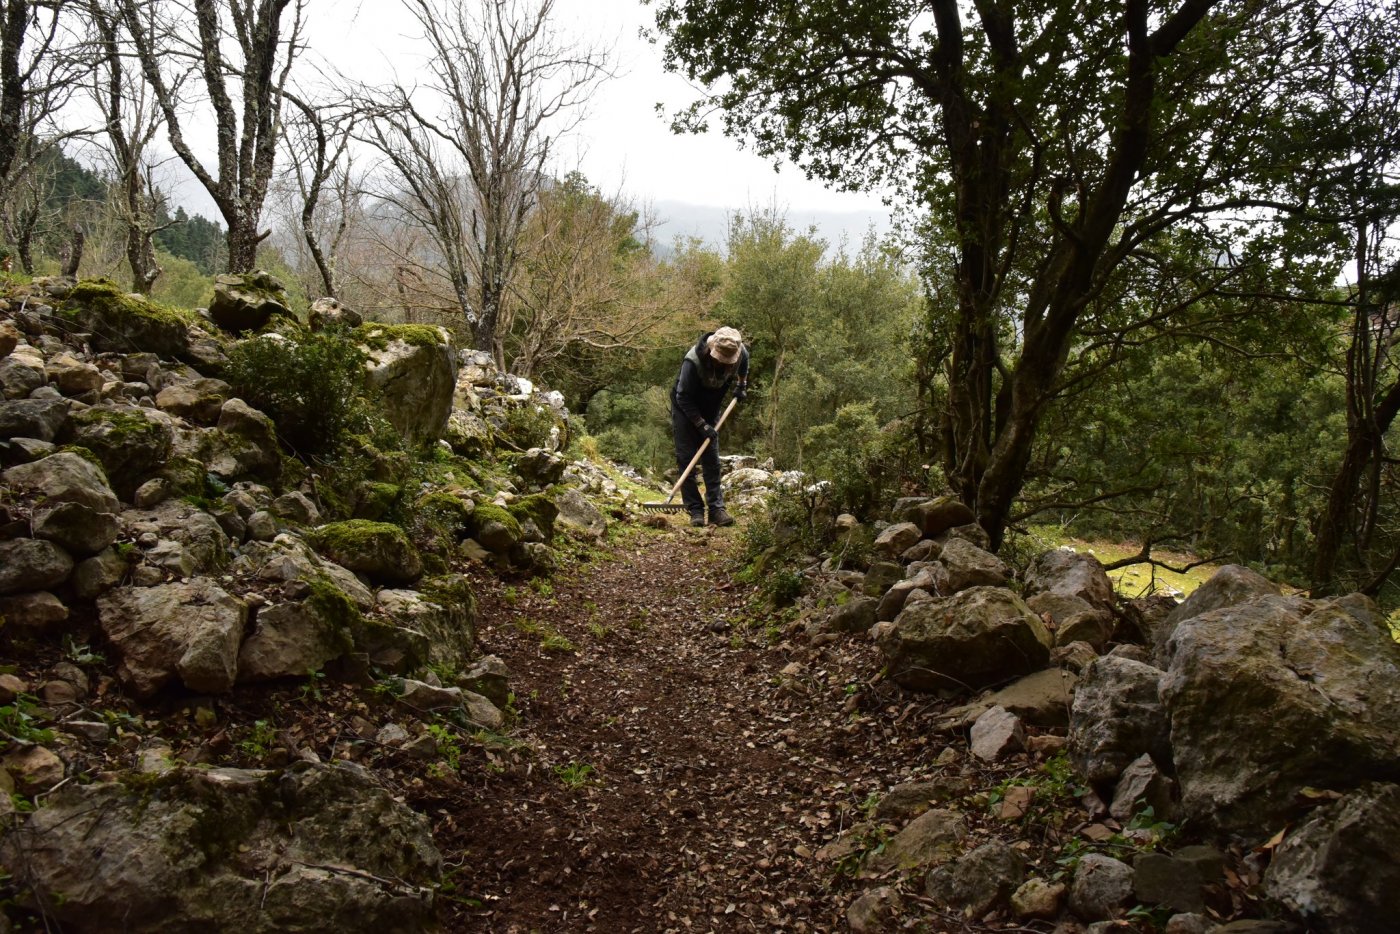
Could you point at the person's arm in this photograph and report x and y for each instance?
(686, 385)
(741, 381)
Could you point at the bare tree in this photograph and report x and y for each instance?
(131, 123)
(176, 41)
(39, 68)
(469, 148)
(318, 141)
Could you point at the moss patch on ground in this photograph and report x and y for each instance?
(109, 300)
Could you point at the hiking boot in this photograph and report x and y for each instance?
(697, 521)
(719, 517)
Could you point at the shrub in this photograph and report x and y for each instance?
(311, 385)
(865, 463)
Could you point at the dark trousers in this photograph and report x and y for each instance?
(688, 440)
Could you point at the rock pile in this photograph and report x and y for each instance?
(145, 508)
(1240, 714)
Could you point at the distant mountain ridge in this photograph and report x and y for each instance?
(710, 223)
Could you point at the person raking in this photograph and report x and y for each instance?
(718, 361)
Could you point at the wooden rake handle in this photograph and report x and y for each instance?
(696, 459)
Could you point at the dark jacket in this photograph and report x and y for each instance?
(703, 381)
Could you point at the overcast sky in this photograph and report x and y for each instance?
(624, 144)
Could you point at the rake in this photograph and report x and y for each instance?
(669, 506)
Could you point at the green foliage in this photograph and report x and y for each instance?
(311, 385)
(18, 723)
(195, 239)
(865, 462)
(528, 426)
(576, 774)
(258, 741)
(182, 283)
(112, 303)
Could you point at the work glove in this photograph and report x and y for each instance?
(741, 392)
(709, 431)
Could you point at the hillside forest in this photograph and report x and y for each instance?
(1143, 283)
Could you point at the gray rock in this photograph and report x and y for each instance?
(875, 912)
(897, 539)
(65, 478)
(35, 769)
(1269, 697)
(997, 734)
(199, 534)
(27, 564)
(378, 550)
(578, 514)
(98, 574)
(1076, 656)
(1038, 899)
(1102, 888)
(1189, 923)
(924, 550)
(72, 376)
(296, 507)
(290, 640)
(970, 532)
(1117, 716)
(188, 631)
(979, 881)
(1069, 573)
(21, 373)
(42, 419)
(929, 840)
(448, 624)
(313, 848)
(892, 603)
(489, 677)
(430, 699)
(880, 577)
(80, 529)
(24, 451)
(1230, 586)
(914, 798)
(247, 301)
(962, 565)
(1142, 785)
(415, 383)
(855, 615)
(151, 493)
(195, 400)
(1094, 628)
(131, 442)
(977, 637)
(1331, 872)
(9, 338)
(1041, 699)
(540, 468)
(245, 444)
(937, 516)
(262, 526)
(35, 611)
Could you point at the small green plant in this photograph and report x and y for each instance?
(311, 690)
(81, 654)
(597, 630)
(576, 774)
(259, 741)
(447, 746)
(551, 640)
(509, 595)
(18, 722)
(542, 586)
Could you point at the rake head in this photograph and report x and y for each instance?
(664, 507)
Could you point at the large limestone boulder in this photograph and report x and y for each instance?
(1331, 872)
(897, 539)
(378, 550)
(245, 444)
(970, 640)
(80, 529)
(187, 631)
(414, 369)
(131, 442)
(195, 530)
(962, 564)
(1068, 573)
(1227, 587)
(65, 478)
(71, 376)
(314, 848)
(1280, 694)
(123, 322)
(247, 301)
(936, 516)
(196, 400)
(445, 614)
(291, 639)
(580, 515)
(1117, 716)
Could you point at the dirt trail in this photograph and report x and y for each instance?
(671, 778)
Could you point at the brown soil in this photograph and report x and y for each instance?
(671, 777)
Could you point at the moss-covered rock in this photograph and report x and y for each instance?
(539, 509)
(413, 370)
(380, 551)
(126, 323)
(495, 528)
(378, 336)
(373, 500)
(131, 442)
(246, 302)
